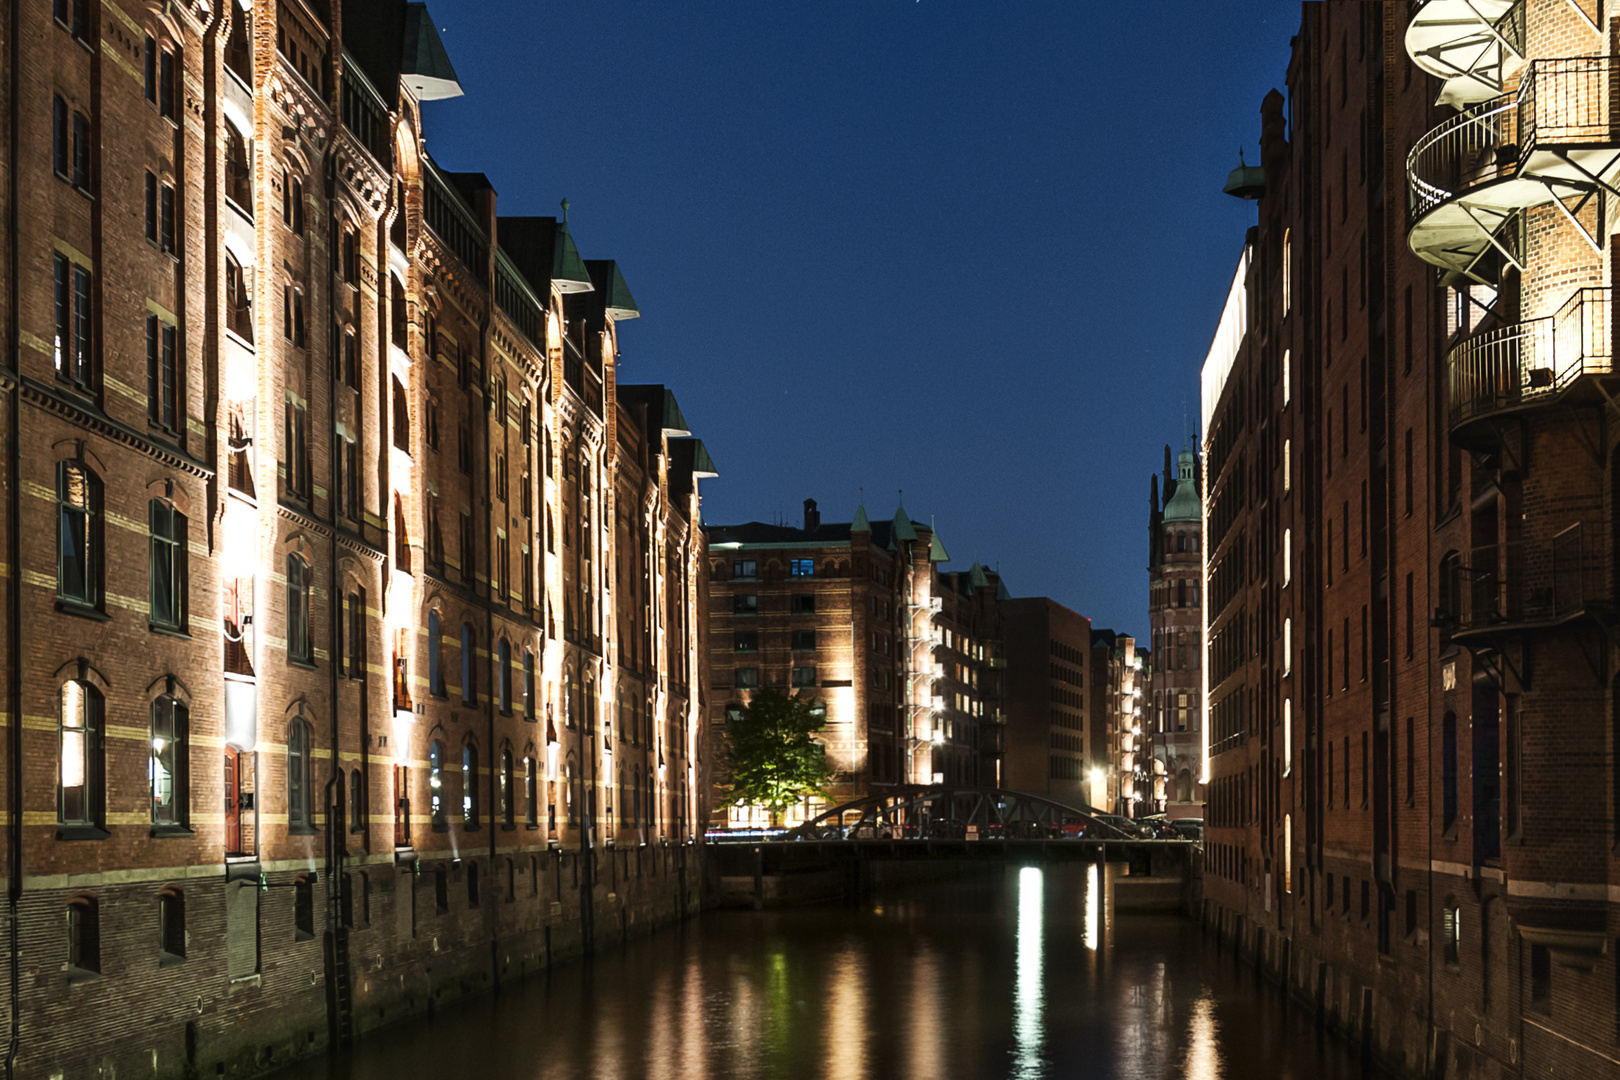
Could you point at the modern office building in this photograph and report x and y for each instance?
(1049, 722)
(354, 609)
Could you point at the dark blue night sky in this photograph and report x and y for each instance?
(976, 251)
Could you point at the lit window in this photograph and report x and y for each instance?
(1288, 646)
(469, 786)
(79, 782)
(167, 765)
(802, 567)
(436, 784)
(508, 796)
(1287, 375)
(72, 348)
(1288, 557)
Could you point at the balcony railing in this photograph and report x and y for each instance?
(1471, 149)
(1563, 103)
(1515, 366)
(1528, 584)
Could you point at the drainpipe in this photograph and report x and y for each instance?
(14, 829)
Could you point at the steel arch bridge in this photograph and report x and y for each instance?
(945, 812)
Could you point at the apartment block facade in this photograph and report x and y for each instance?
(859, 616)
(1410, 539)
(355, 608)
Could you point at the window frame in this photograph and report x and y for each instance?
(88, 598)
(171, 546)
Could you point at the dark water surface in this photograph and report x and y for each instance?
(1023, 977)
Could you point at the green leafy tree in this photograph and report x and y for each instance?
(773, 761)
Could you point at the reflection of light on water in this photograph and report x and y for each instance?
(1203, 1045)
(1093, 939)
(1027, 998)
(927, 1033)
(844, 1029)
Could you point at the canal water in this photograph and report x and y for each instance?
(1026, 976)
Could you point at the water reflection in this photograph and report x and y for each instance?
(1027, 976)
(1028, 989)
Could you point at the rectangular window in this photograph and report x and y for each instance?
(167, 570)
(803, 604)
(72, 346)
(81, 151)
(804, 676)
(166, 227)
(160, 374)
(357, 635)
(151, 207)
(747, 678)
(802, 567)
(166, 85)
(744, 568)
(149, 69)
(349, 477)
(297, 451)
(745, 604)
(804, 640)
(745, 641)
(469, 557)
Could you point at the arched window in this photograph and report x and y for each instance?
(531, 791)
(528, 684)
(171, 925)
(469, 669)
(300, 647)
(508, 796)
(351, 256)
(83, 936)
(292, 202)
(167, 765)
(357, 802)
(503, 663)
(402, 417)
(168, 564)
(435, 656)
(469, 785)
(78, 542)
(436, 784)
(298, 783)
(81, 791)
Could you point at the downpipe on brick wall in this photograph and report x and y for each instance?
(14, 828)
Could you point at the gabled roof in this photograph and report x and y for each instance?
(860, 524)
(616, 298)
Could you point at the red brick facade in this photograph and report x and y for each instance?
(1412, 799)
(336, 553)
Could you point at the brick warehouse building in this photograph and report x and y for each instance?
(361, 552)
(1175, 612)
(1410, 535)
(858, 615)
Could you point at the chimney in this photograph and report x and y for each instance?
(812, 516)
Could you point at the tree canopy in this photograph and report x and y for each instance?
(773, 761)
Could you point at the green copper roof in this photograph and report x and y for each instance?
(568, 271)
(936, 550)
(702, 463)
(1184, 504)
(977, 576)
(674, 422)
(424, 65)
(1246, 181)
(860, 524)
(616, 296)
(902, 525)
